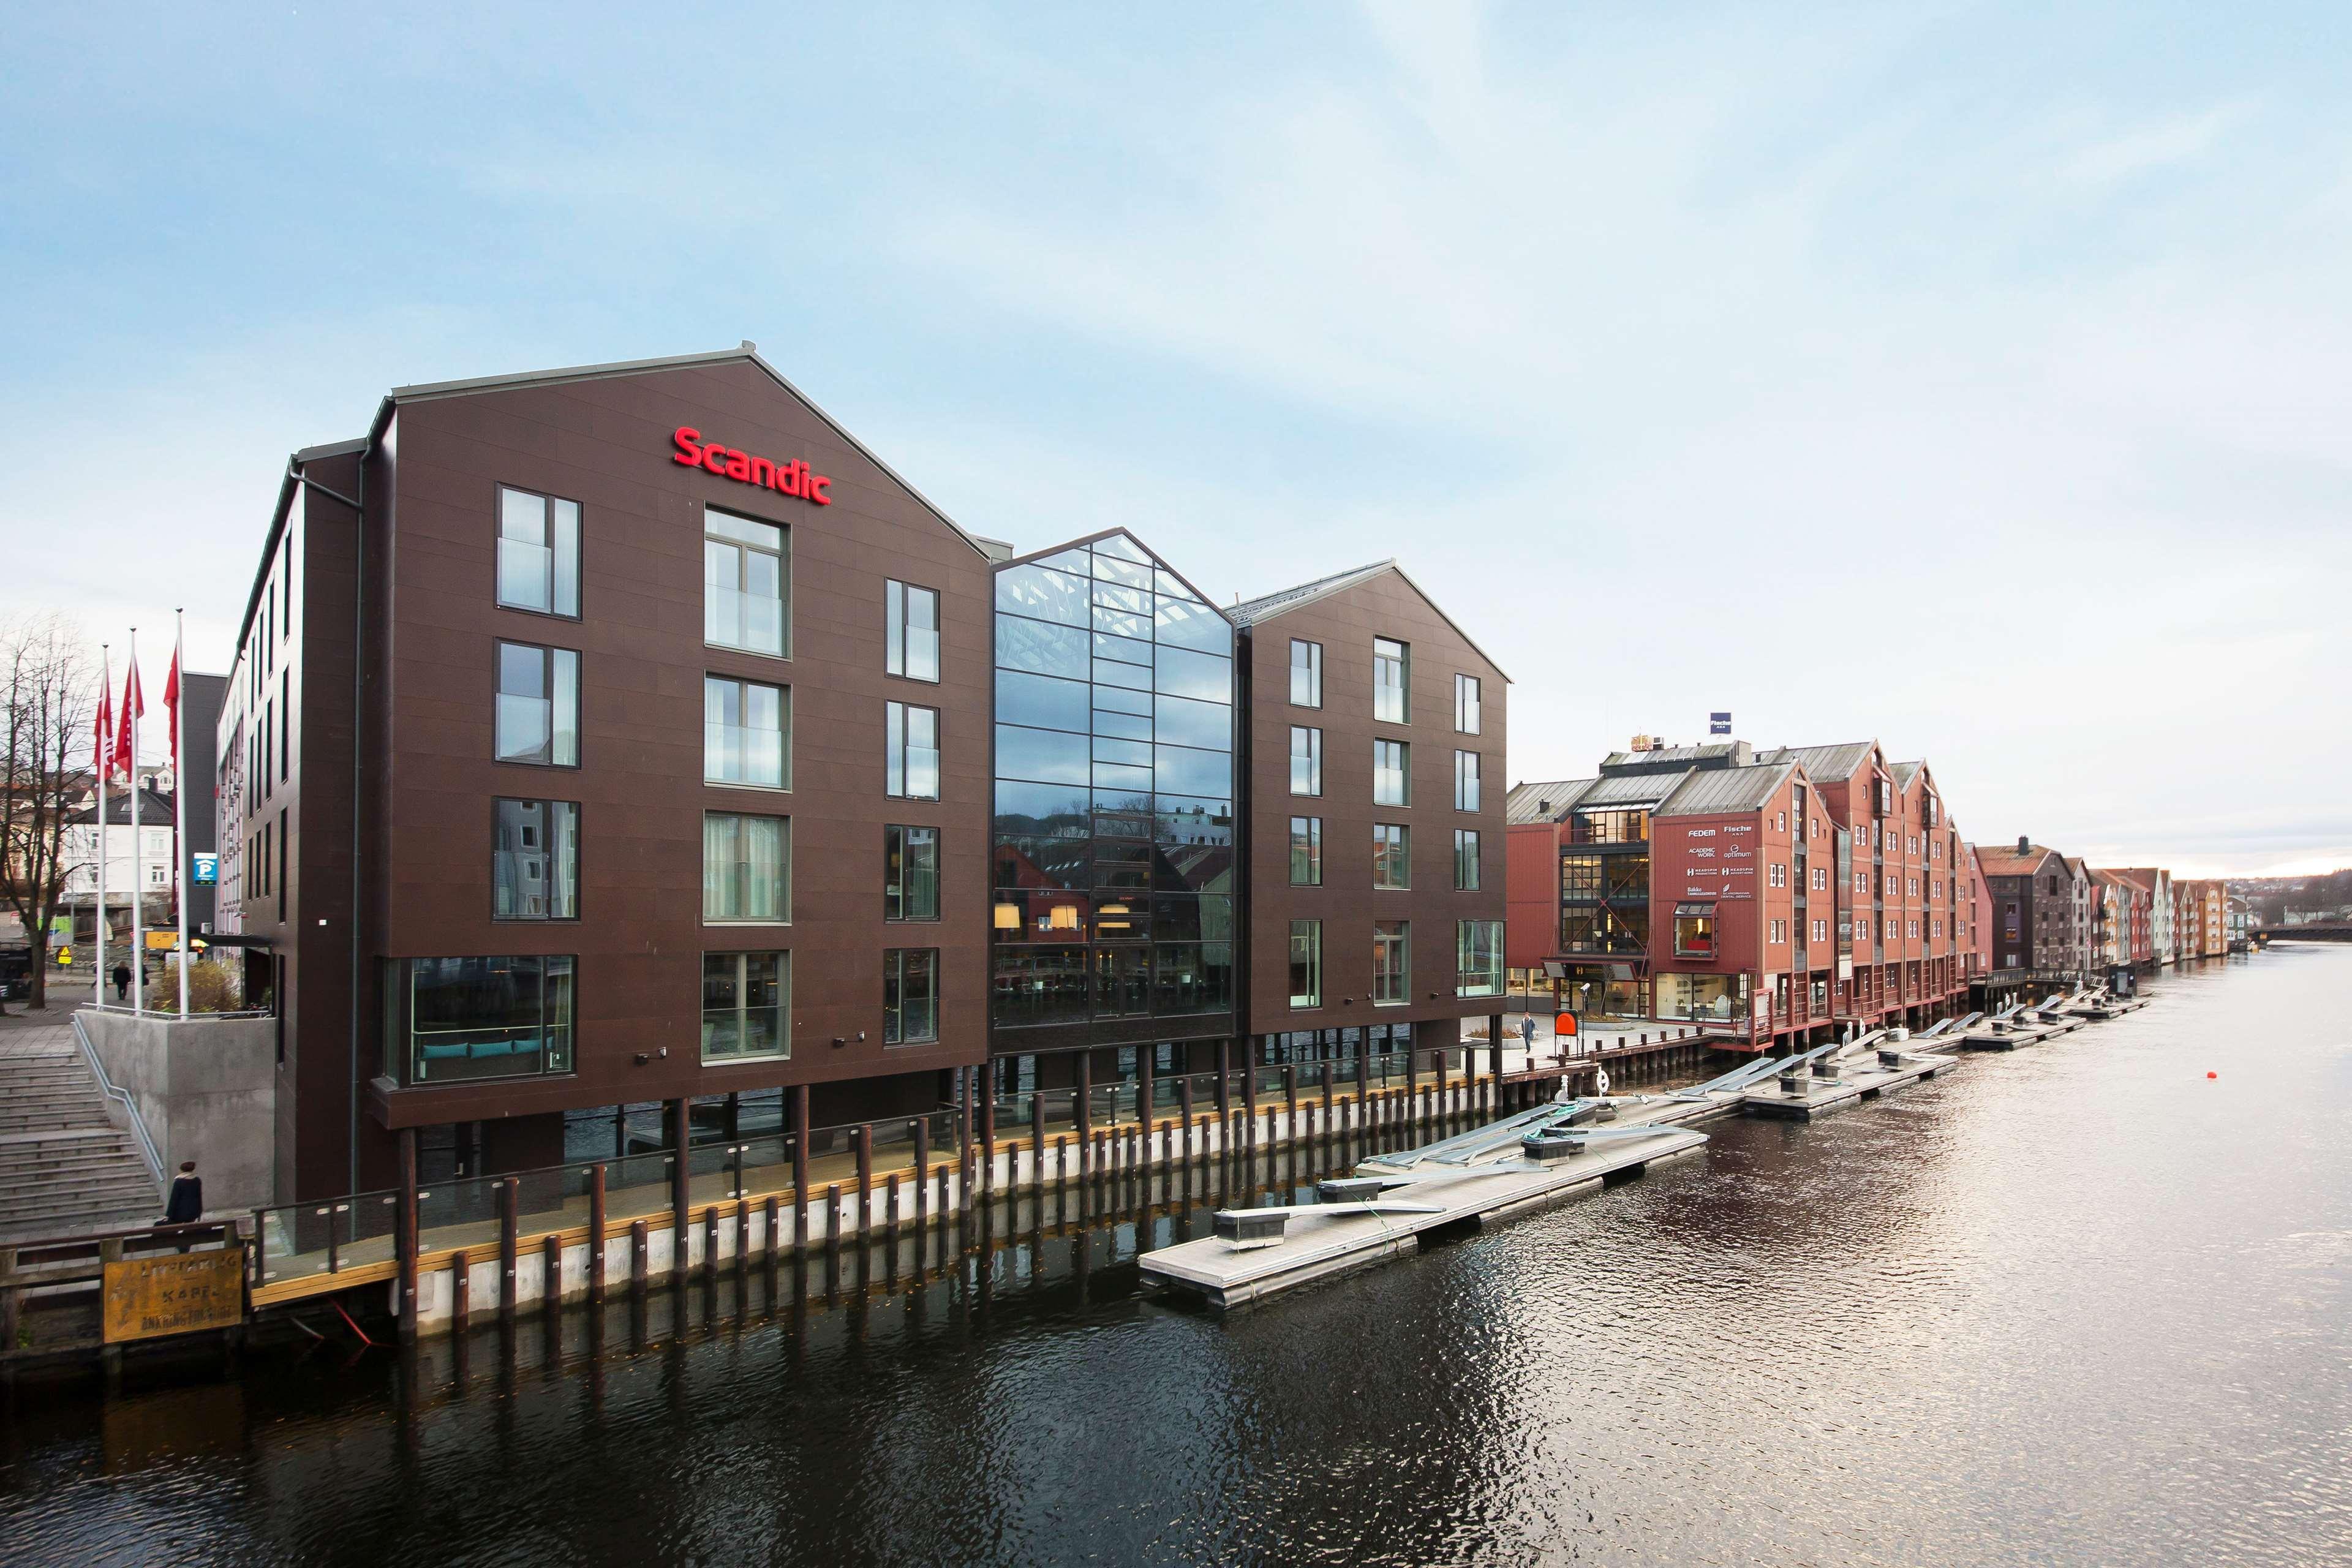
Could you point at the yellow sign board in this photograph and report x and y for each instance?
(174, 1293)
(162, 940)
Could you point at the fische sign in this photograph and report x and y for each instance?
(177, 1293)
(792, 478)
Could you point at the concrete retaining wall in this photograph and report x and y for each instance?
(206, 1090)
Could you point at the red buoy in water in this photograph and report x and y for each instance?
(2212, 1075)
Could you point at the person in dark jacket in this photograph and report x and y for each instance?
(186, 1204)
(121, 982)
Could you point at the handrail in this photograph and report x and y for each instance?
(106, 1086)
(171, 1014)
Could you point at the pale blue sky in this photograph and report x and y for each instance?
(1951, 373)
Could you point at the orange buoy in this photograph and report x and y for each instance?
(2212, 1075)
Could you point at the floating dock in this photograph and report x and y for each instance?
(1800, 1097)
(1226, 1276)
(1396, 1203)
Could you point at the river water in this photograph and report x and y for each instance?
(2077, 1304)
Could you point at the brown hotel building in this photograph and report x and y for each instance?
(626, 755)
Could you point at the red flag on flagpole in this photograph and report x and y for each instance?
(126, 726)
(172, 705)
(102, 731)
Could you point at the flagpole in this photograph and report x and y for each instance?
(180, 797)
(105, 766)
(138, 865)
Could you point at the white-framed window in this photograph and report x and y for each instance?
(910, 995)
(1305, 673)
(1305, 851)
(1465, 781)
(1307, 964)
(1306, 760)
(911, 752)
(746, 578)
(745, 1007)
(539, 552)
(910, 629)
(1392, 963)
(538, 717)
(1477, 958)
(1391, 774)
(746, 733)
(1391, 682)
(746, 869)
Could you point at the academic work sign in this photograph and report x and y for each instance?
(177, 1293)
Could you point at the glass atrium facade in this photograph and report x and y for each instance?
(1113, 857)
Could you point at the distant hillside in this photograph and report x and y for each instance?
(2271, 897)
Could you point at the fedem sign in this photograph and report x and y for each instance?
(792, 478)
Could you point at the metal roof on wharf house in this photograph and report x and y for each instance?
(1824, 762)
(1544, 801)
(1706, 792)
(1673, 759)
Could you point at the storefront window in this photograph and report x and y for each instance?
(1700, 998)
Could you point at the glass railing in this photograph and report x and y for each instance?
(297, 1241)
(736, 754)
(327, 1236)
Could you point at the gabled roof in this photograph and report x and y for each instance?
(1826, 764)
(155, 810)
(746, 352)
(1663, 759)
(1266, 606)
(1250, 611)
(1705, 792)
(1630, 790)
(1905, 772)
(1045, 557)
(2002, 861)
(425, 392)
(1543, 801)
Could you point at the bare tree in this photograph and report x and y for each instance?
(48, 699)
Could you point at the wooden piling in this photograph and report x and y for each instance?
(506, 1247)
(641, 1255)
(596, 1232)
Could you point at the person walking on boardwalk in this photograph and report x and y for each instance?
(121, 978)
(186, 1204)
(1527, 1035)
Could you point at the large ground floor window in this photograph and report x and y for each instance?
(1604, 992)
(448, 1020)
(1702, 998)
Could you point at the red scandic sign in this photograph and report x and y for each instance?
(792, 478)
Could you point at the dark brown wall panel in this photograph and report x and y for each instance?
(1344, 623)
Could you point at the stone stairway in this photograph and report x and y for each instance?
(65, 1167)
